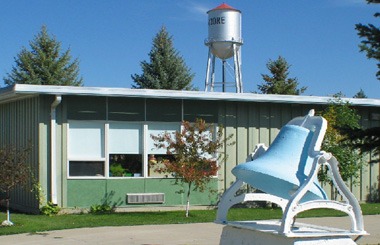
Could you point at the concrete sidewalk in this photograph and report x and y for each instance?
(181, 234)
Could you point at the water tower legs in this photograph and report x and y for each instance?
(210, 71)
(237, 67)
(210, 66)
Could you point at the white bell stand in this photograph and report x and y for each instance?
(287, 231)
(266, 232)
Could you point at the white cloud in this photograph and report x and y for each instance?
(192, 11)
(197, 8)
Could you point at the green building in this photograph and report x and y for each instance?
(92, 145)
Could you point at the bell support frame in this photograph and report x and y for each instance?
(292, 207)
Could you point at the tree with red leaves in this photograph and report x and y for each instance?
(195, 153)
(15, 172)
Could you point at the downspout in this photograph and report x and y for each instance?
(53, 150)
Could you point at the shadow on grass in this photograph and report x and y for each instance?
(27, 223)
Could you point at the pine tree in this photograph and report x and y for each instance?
(360, 94)
(44, 64)
(368, 140)
(166, 70)
(278, 82)
(371, 42)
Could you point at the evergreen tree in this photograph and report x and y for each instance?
(360, 94)
(368, 140)
(44, 64)
(371, 42)
(166, 69)
(278, 82)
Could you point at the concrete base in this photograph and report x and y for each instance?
(6, 223)
(267, 233)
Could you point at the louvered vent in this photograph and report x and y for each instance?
(141, 198)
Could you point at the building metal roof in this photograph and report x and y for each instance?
(21, 91)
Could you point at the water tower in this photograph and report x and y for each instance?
(224, 41)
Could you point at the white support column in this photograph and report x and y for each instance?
(145, 134)
(106, 150)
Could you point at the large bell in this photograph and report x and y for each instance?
(284, 167)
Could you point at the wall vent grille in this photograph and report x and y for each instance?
(141, 198)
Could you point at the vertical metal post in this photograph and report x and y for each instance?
(223, 76)
(240, 73)
(213, 73)
(237, 67)
(208, 70)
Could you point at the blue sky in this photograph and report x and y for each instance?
(110, 38)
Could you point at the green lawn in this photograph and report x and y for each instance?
(26, 223)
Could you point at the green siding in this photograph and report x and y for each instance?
(28, 120)
(249, 122)
(370, 187)
(264, 124)
(231, 151)
(242, 132)
(19, 126)
(254, 123)
(84, 193)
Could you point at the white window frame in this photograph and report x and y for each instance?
(101, 158)
(145, 142)
(139, 151)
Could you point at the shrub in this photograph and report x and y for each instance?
(50, 209)
(101, 209)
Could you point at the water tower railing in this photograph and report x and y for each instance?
(232, 41)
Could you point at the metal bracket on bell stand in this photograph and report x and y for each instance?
(229, 197)
(287, 171)
(350, 205)
(293, 206)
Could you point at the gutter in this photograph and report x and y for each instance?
(18, 91)
(53, 160)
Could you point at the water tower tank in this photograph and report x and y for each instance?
(224, 29)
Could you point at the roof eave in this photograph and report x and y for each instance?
(23, 90)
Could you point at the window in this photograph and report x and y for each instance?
(125, 149)
(86, 139)
(86, 108)
(157, 155)
(116, 148)
(86, 148)
(207, 110)
(156, 161)
(86, 168)
(160, 110)
(126, 109)
(125, 165)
